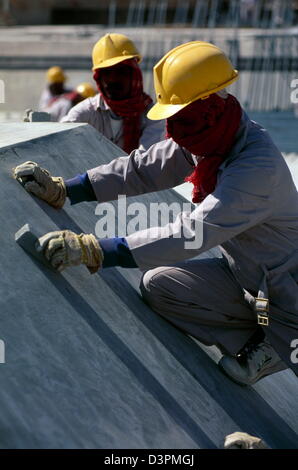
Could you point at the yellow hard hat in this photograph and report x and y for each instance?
(56, 75)
(188, 72)
(86, 90)
(112, 49)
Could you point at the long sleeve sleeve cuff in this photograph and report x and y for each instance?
(116, 253)
(79, 189)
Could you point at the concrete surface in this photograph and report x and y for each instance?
(87, 364)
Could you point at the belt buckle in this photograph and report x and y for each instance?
(262, 309)
(263, 320)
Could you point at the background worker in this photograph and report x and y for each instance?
(59, 107)
(247, 204)
(119, 110)
(56, 79)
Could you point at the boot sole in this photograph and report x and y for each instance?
(269, 371)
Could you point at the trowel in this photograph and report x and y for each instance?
(29, 242)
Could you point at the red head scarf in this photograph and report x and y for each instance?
(132, 106)
(207, 129)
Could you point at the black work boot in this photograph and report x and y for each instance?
(255, 361)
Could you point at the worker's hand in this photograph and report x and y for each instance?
(65, 248)
(242, 440)
(39, 182)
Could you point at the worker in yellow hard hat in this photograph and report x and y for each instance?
(119, 109)
(56, 75)
(60, 107)
(55, 78)
(86, 90)
(244, 301)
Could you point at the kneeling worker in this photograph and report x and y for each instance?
(246, 303)
(119, 110)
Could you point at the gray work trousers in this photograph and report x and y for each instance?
(202, 298)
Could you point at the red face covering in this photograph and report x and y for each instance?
(207, 129)
(122, 89)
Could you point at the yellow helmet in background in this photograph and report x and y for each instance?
(56, 75)
(187, 73)
(112, 49)
(86, 90)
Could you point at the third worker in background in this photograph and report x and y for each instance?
(55, 88)
(60, 107)
(119, 110)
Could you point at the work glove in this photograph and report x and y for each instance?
(39, 182)
(242, 440)
(65, 248)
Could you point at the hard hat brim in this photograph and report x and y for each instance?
(164, 111)
(114, 61)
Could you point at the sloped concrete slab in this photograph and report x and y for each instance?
(19, 132)
(88, 364)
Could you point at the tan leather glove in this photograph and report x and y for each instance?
(242, 440)
(39, 182)
(65, 248)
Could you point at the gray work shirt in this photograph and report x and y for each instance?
(58, 108)
(252, 214)
(45, 98)
(98, 114)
